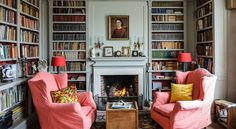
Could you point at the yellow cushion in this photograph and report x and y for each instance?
(181, 92)
(65, 95)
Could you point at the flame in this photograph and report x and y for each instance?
(122, 92)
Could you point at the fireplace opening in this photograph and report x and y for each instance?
(120, 85)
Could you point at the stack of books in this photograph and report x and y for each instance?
(121, 105)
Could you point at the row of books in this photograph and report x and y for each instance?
(12, 96)
(164, 65)
(167, 11)
(17, 114)
(28, 9)
(167, 18)
(7, 33)
(70, 36)
(167, 26)
(71, 55)
(29, 51)
(206, 50)
(165, 54)
(205, 36)
(78, 77)
(167, 36)
(69, 18)
(167, 4)
(81, 86)
(200, 2)
(29, 23)
(204, 10)
(167, 45)
(206, 63)
(75, 3)
(10, 3)
(163, 75)
(29, 67)
(7, 15)
(69, 27)
(73, 66)
(69, 46)
(69, 10)
(34, 2)
(29, 36)
(8, 51)
(203, 23)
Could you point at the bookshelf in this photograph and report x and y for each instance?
(19, 38)
(68, 38)
(167, 34)
(205, 34)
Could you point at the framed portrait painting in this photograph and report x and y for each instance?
(118, 27)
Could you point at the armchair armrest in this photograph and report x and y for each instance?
(161, 98)
(86, 99)
(188, 105)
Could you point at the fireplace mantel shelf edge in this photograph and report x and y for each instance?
(115, 59)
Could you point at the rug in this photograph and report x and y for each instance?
(145, 122)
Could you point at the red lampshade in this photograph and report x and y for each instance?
(184, 57)
(58, 61)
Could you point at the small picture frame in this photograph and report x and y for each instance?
(126, 51)
(108, 51)
(135, 53)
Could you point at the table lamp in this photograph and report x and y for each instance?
(184, 58)
(58, 61)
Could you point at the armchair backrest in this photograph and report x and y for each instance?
(203, 83)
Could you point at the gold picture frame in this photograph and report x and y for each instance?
(118, 27)
(126, 51)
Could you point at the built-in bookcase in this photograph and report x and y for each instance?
(68, 38)
(167, 34)
(205, 32)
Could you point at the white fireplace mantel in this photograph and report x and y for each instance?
(119, 66)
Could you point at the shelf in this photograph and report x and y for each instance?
(11, 59)
(162, 71)
(8, 7)
(28, 43)
(164, 59)
(8, 85)
(167, 22)
(172, 14)
(13, 106)
(69, 14)
(204, 56)
(8, 41)
(33, 17)
(75, 60)
(163, 79)
(30, 4)
(25, 28)
(69, 50)
(69, 31)
(203, 4)
(206, 28)
(156, 7)
(81, 7)
(205, 42)
(103, 59)
(168, 40)
(69, 41)
(68, 22)
(30, 58)
(167, 49)
(168, 31)
(6, 23)
(204, 16)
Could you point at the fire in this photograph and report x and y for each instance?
(122, 92)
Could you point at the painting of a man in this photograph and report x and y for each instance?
(118, 27)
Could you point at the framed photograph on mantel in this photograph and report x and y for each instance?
(108, 51)
(118, 27)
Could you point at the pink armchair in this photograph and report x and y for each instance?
(195, 114)
(60, 115)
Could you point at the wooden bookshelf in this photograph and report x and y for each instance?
(205, 32)
(167, 34)
(68, 30)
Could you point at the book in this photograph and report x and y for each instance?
(121, 105)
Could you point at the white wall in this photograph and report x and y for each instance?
(98, 20)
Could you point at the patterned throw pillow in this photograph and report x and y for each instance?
(65, 95)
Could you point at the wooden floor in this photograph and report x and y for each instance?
(215, 126)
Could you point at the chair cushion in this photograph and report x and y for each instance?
(165, 109)
(65, 95)
(181, 92)
(86, 109)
